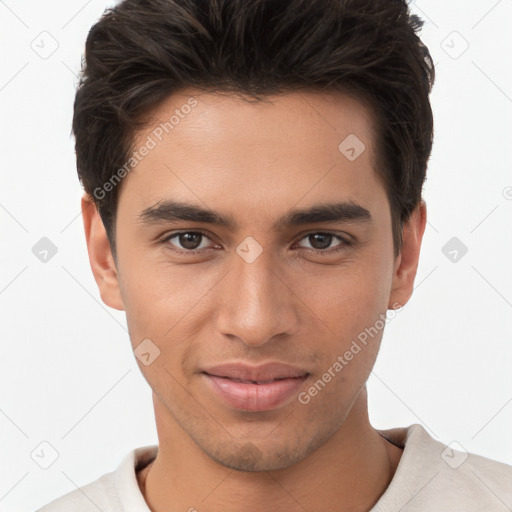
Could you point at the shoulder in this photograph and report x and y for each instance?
(434, 476)
(97, 495)
(110, 492)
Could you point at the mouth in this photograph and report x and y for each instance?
(258, 382)
(255, 388)
(265, 373)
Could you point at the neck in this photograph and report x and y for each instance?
(349, 472)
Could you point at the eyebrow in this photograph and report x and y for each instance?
(171, 211)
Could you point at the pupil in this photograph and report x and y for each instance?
(326, 240)
(186, 240)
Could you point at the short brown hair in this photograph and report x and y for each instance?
(142, 51)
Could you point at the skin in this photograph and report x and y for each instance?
(256, 162)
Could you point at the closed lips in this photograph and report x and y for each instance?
(263, 374)
(256, 381)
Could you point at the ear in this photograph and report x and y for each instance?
(406, 262)
(100, 256)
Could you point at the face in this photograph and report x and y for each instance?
(264, 275)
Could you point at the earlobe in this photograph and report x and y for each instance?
(100, 255)
(406, 263)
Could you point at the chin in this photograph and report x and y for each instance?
(263, 455)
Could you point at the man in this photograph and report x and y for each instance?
(221, 145)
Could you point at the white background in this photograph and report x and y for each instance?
(67, 374)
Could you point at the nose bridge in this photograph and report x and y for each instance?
(256, 304)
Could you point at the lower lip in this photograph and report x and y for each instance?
(254, 397)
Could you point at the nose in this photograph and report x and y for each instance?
(257, 303)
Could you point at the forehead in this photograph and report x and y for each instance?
(221, 148)
(228, 117)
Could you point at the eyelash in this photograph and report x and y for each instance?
(345, 243)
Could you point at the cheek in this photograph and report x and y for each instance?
(350, 298)
(161, 299)
(351, 320)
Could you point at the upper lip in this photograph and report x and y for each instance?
(267, 371)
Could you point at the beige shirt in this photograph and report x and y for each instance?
(431, 477)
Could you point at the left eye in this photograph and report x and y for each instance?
(323, 240)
